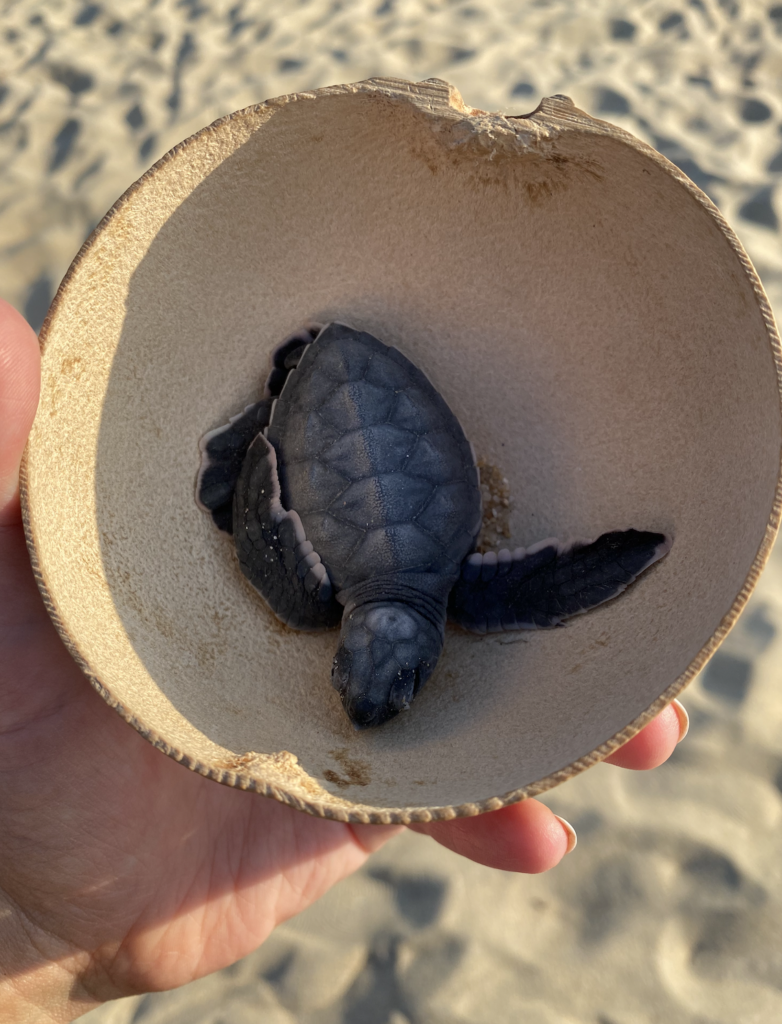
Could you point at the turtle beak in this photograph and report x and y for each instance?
(369, 699)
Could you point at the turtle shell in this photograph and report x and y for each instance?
(374, 462)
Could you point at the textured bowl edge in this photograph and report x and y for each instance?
(557, 112)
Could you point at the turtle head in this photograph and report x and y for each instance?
(387, 651)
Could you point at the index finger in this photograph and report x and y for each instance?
(20, 378)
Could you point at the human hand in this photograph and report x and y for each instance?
(120, 872)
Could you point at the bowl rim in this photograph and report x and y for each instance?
(435, 98)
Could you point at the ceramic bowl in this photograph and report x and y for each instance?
(586, 312)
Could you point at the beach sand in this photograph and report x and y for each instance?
(670, 909)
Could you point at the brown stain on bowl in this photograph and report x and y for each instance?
(71, 365)
(495, 495)
(356, 772)
(492, 159)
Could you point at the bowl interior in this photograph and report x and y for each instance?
(579, 308)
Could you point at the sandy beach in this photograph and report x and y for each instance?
(670, 909)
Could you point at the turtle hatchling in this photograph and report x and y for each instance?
(353, 497)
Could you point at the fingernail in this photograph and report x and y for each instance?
(570, 832)
(684, 719)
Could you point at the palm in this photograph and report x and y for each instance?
(170, 858)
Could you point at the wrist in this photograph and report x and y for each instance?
(39, 974)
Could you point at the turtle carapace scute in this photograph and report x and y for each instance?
(353, 497)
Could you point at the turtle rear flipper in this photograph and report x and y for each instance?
(273, 551)
(548, 583)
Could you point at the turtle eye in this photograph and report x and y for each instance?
(402, 690)
(340, 669)
(417, 683)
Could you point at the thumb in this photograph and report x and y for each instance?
(20, 378)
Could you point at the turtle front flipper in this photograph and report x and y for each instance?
(223, 450)
(222, 453)
(273, 551)
(543, 585)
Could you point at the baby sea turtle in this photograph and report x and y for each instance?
(353, 495)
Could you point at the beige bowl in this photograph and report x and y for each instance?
(585, 311)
